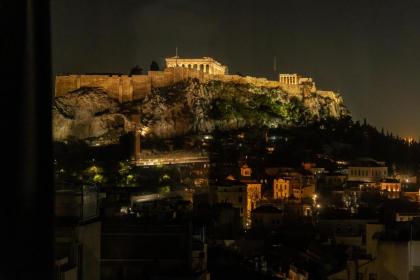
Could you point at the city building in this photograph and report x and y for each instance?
(246, 172)
(236, 195)
(387, 256)
(288, 182)
(243, 196)
(346, 231)
(406, 216)
(77, 233)
(297, 274)
(132, 249)
(334, 180)
(390, 186)
(308, 191)
(281, 188)
(412, 193)
(267, 216)
(367, 170)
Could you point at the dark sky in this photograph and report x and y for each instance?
(369, 51)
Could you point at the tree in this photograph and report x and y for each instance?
(94, 175)
(127, 177)
(164, 189)
(136, 70)
(154, 66)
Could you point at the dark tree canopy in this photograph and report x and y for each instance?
(154, 66)
(136, 70)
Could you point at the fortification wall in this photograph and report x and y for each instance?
(127, 88)
(328, 94)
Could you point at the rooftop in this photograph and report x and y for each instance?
(390, 180)
(267, 209)
(366, 162)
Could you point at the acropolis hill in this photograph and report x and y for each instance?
(134, 87)
(190, 96)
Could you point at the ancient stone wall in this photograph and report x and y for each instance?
(126, 88)
(327, 94)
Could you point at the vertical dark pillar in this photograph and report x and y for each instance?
(28, 209)
(136, 120)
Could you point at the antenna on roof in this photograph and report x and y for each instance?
(176, 56)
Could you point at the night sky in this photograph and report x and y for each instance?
(369, 51)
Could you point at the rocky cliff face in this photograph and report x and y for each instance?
(89, 114)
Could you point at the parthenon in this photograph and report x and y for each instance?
(204, 64)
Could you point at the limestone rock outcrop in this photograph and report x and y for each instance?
(189, 106)
(90, 115)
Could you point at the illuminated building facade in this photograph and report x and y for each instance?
(281, 188)
(367, 170)
(204, 64)
(243, 196)
(390, 185)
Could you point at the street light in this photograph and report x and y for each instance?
(143, 131)
(314, 197)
